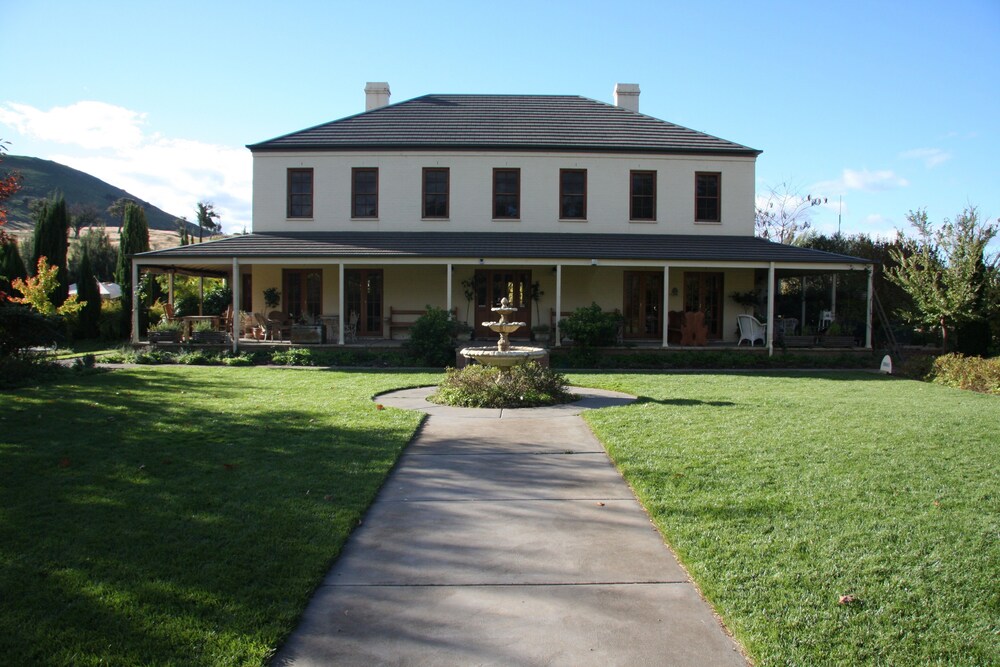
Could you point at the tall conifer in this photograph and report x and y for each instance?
(87, 290)
(134, 239)
(51, 242)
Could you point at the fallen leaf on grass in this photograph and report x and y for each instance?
(848, 599)
(379, 406)
(229, 466)
(64, 462)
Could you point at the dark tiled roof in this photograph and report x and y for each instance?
(495, 245)
(497, 122)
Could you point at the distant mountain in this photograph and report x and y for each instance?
(40, 178)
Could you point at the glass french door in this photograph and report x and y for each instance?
(303, 293)
(493, 285)
(363, 295)
(643, 304)
(703, 291)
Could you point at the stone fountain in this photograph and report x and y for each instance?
(504, 355)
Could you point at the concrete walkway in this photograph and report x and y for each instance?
(507, 538)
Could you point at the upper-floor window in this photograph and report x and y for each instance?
(708, 197)
(435, 192)
(300, 193)
(573, 194)
(642, 202)
(507, 193)
(364, 193)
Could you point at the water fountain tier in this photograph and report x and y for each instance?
(505, 355)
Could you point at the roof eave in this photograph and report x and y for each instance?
(268, 147)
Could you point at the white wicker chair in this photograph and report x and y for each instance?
(751, 329)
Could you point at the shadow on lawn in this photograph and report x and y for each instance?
(140, 524)
(682, 402)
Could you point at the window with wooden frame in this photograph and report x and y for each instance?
(364, 192)
(642, 195)
(507, 194)
(435, 192)
(572, 194)
(300, 193)
(708, 197)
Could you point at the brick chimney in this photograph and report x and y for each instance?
(627, 96)
(376, 95)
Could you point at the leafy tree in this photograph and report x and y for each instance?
(51, 241)
(85, 215)
(39, 289)
(117, 208)
(182, 230)
(207, 216)
(88, 292)
(782, 214)
(103, 256)
(947, 272)
(134, 239)
(9, 184)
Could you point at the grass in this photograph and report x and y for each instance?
(178, 515)
(781, 493)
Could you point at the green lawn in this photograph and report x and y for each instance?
(783, 492)
(181, 515)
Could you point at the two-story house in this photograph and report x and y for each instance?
(553, 201)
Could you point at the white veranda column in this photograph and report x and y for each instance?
(770, 309)
(448, 288)
(237, 316)
(555, 331)
(868, 309)
(665, 313)
(340, 306)
(135, 302)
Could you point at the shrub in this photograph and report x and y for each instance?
(432, 337)
(971, 373)
(293, 356)
(109, 323)
(591, 327)
(22, 328)
(523, 386)
(167, 325)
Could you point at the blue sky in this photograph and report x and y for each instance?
(890, 106)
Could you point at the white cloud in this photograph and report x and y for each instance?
(173, 174)
(931, 157)
(872, 181)
(863, 180)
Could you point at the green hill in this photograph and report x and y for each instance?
(40, 178)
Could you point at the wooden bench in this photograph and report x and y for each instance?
(402, 320)
(797, 341)
(837, 341)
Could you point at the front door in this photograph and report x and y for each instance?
(703, 291)
(303, 294)
(495, 284)
(642, 304)
(363, 295)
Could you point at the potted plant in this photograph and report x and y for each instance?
(541, 332)
(462, 331)
(747, 300)
(165, 331)
(205, 333)
(272, 297)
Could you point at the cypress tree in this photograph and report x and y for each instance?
(87, 290)
(134, 239)
(51, 242)
(11, 264)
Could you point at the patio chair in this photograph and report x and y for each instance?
(694, 331)
(263, 327)
(351, 328)
(168, 312)
(751, 329)
(279, 324)
(787, 326)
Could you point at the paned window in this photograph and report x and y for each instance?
(707, 197)
(643, 195)
(507, 193)
(435, 193)
(300, 193)
(364, 193)
(573, 194)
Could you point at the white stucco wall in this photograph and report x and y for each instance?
(471, 184)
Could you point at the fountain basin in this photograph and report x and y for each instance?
(504, 327)
(490, 356)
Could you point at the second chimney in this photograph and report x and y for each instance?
(376, 95)
(627, 96)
